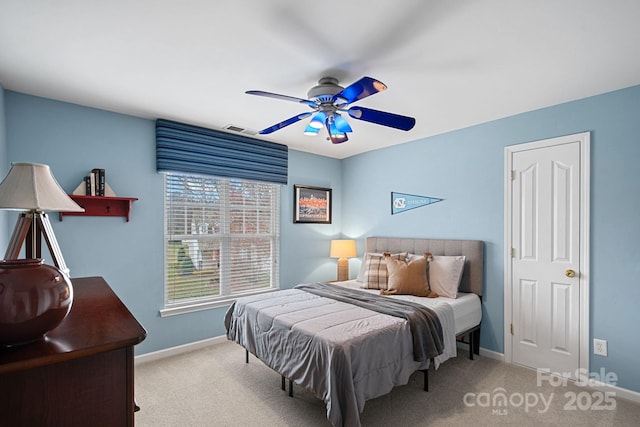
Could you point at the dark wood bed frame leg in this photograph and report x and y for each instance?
(246, 356)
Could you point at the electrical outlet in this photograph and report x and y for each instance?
(599, 347)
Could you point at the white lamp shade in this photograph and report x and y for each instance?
(343, 249)
(31, 186)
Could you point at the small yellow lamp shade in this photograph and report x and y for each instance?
(343, 249)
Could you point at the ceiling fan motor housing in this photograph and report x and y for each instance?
(325, 89)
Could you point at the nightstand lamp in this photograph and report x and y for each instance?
(343, 249)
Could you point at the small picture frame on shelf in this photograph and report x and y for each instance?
(311, 205)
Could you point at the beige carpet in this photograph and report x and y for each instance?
(214, 387)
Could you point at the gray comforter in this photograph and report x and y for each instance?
(343, 353)
(426, 330)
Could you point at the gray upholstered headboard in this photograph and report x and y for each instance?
(473, 250)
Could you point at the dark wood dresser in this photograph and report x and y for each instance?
(81, 374)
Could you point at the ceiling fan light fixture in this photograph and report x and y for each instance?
(311, 131)
(341, 124)
(333, 129)
(318, 120)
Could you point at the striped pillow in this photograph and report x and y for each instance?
(374, 273)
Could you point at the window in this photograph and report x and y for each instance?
(222, 239)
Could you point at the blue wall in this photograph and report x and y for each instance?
(305, 247)
(73, 139)
(464, 167)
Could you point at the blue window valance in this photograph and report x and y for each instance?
(191, 149)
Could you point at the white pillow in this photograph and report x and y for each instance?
(445, 273)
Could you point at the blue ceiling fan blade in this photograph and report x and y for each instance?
(382, 118)
(309, 102)
(364, 87)
(284, 123)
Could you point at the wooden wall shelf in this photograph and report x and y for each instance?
(101, 206)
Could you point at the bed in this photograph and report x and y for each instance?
(332, 339)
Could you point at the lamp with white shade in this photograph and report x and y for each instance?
(34, 297)
(31, 188)
(343, 249)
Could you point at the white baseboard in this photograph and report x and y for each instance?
(173, 351)
(489, 354)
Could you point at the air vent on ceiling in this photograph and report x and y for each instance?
(238, 129)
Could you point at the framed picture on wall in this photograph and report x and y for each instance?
(311, 205)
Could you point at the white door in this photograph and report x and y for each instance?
(546, 255)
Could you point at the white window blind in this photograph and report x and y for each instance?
(222, 238)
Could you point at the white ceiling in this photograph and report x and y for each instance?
(449, 64)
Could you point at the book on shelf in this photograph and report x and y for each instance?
(94, 184)
(87, 185)
(99, 181)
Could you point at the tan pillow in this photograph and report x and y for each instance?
(375, 273)
(407, 278)
(445, 273)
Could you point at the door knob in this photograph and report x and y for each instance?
(570, 273)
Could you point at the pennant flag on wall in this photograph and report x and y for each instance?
(401, 202)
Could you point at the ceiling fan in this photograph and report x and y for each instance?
(328, 99)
